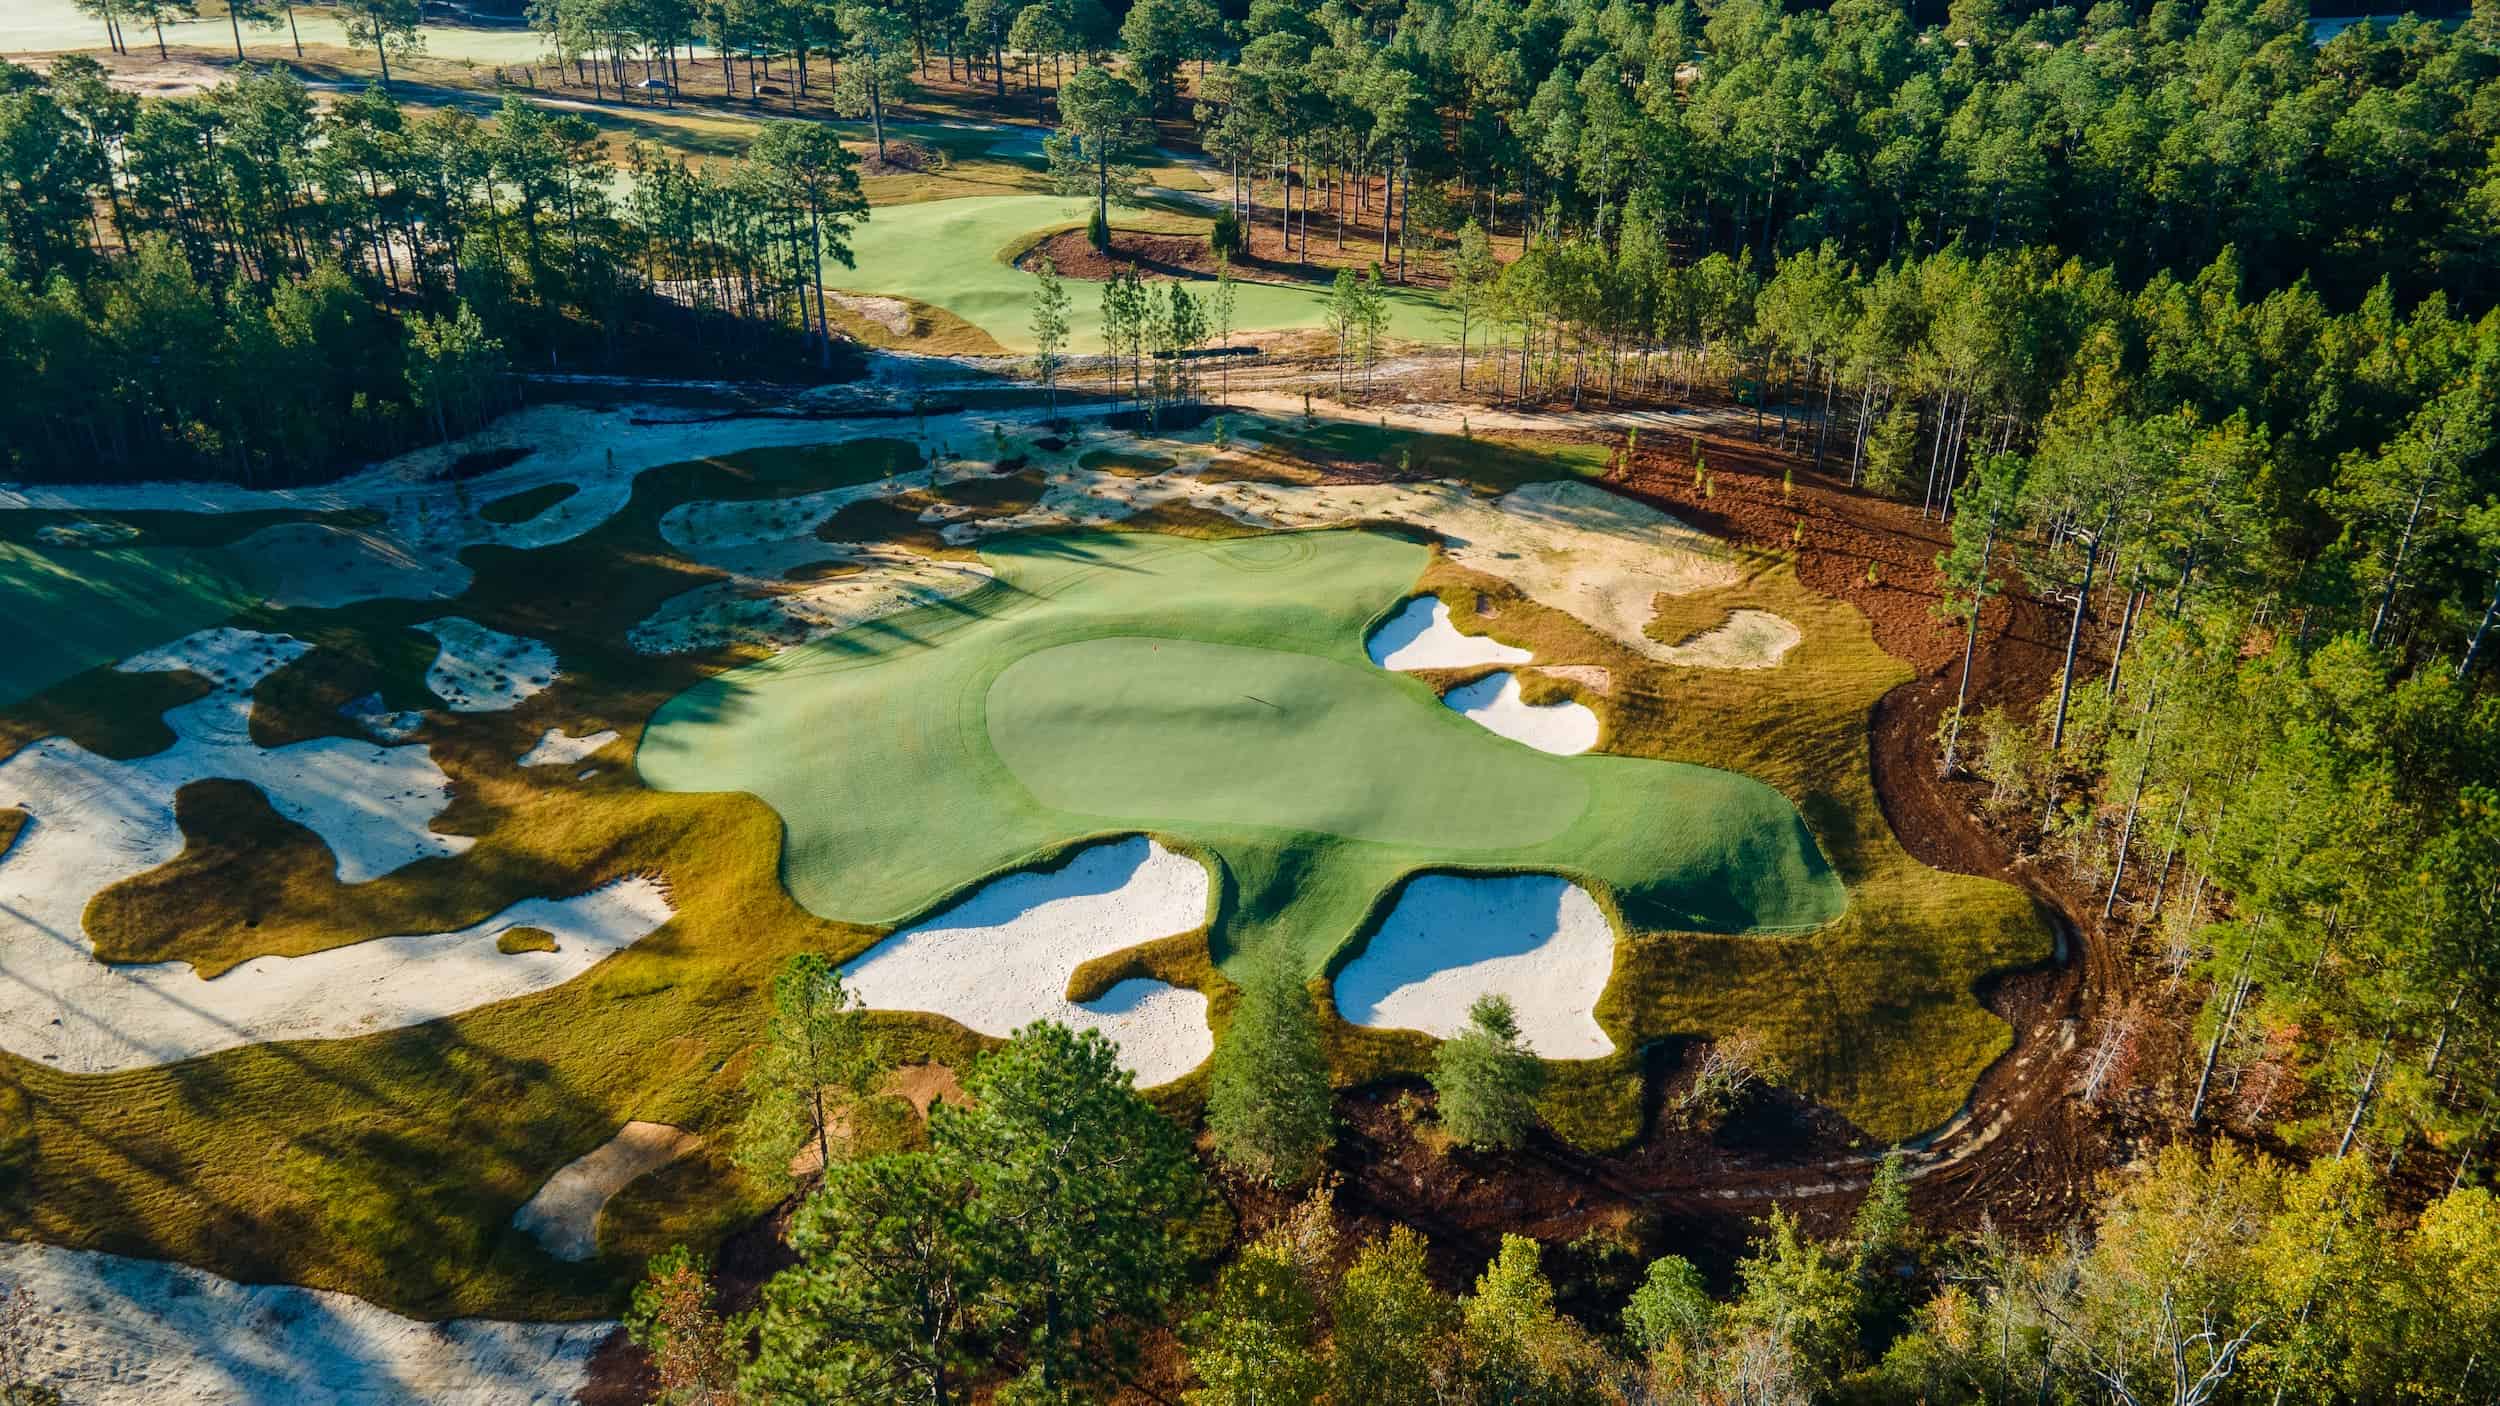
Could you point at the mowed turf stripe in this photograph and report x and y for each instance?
(1215, 691)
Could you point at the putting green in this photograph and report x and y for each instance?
(1215, 692)
(73, 608)
(951, 254)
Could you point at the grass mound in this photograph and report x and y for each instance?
(1215, 690)
(526, 504)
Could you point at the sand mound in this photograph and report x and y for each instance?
(553, 748)
(564, 1215)
(1747, 639)
(1493, 703)
(1450, 938)
(892, 314)
(482, 670)
(1596, 678)
(1420, 636)
(766, 612)
(110, 1331)
(1002, 957)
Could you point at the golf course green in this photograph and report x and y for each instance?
(1216, 693)
(953, 254)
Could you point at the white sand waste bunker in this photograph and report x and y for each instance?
(110, 1331)
(554, 748)
(564, 1215)
(93, 822)
(1420, 636)
(477, 669)
(1747, 639)
(1494, 704)
(1001, 958)
(1538, 939)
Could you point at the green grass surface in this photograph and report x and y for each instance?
(71, 609)
(1215, 691)
(949, 253)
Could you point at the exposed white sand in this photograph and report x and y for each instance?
(892, 314)
(1001, 958)
(1420, 636)
(1747, 639)
(564, 1215)
(478, 669)
(755, 611)
(1493, 703)
(93, 822)
(110, 1331)
(553, 748)
(381, 723)
(1596, 678)
(85, 534)
(1538, 939)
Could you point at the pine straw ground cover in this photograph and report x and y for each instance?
(390, 1165)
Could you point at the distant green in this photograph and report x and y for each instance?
(1217, 693)
(952, 253)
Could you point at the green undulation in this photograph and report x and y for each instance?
(73, 608)
(1215, 692)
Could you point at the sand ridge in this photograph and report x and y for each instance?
(563, 1215)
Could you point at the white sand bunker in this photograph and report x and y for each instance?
(892, 314)
(1747, 639)
(93, 822)
(482, 670)
(110, 1331)
(1001, 958)
(564, 1215)
(1538, 939)
(1493, 703)
(553, 748)
(1420, 636)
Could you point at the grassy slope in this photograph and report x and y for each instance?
(390, 1165)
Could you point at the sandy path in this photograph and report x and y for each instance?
(1536, 938)
(564, 1214)
(110, 1331)
(93, 822)
(1001, 958)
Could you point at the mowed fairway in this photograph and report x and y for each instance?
(73, 608)
(1215, 692)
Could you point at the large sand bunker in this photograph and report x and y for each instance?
(110, 1331)
(564, 1215)
(1450, 938)
(93, 822)
(1420, 636)
(1001, 958)
(1494, 704)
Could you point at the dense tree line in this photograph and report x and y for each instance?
(246, 285)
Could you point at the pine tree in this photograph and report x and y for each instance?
(1267, 1094)
(1488, 1078)
(818, 1060)
(1050, 328)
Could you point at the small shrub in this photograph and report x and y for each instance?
(1227, 239)
(1732, 1069)
(1488, 1078)
(1874, 573)
(1098, 232)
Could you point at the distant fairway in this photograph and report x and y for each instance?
(72, 608)
(1216, 692)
